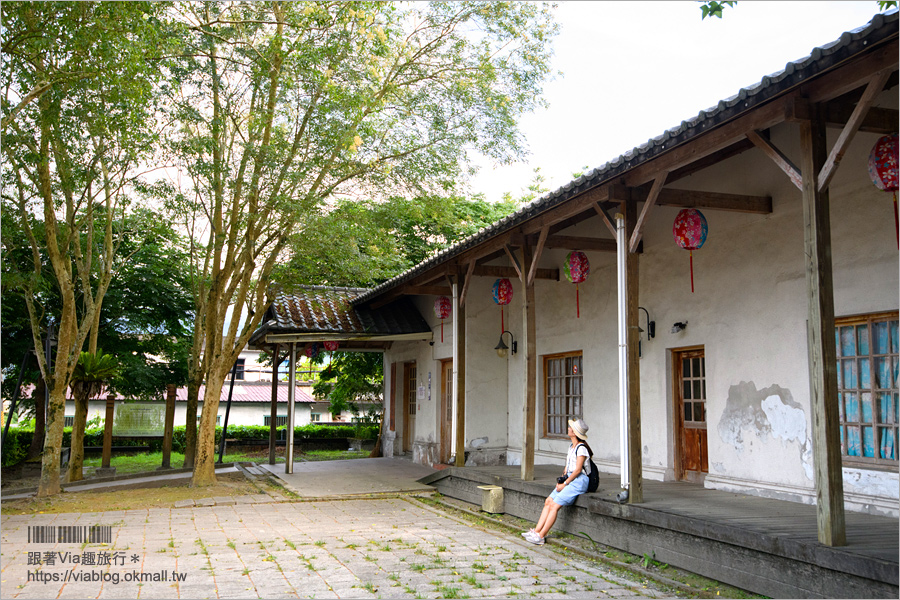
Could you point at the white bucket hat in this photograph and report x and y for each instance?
(579, 427)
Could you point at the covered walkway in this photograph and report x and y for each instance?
(763, 545)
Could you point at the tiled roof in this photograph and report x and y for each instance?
(881, 27)
(328, 310)
(255, 392)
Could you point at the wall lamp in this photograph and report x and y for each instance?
(502, 349)
(651, 330)
(679, 327)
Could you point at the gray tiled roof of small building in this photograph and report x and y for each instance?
(323, 309)
(769, 86)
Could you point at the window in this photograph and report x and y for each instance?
(562, 392)
(69, 422)
(280, 420)
(867, 350)
(239, 369)
(315, 417)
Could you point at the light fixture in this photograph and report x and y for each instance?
(679, 326)
(502, 349)
(651, 325)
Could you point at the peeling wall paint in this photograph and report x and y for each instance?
(761, 413)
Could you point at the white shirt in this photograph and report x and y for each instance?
(571, 459)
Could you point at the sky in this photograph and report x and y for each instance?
(632, 70)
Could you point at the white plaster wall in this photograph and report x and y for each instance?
(749, 312)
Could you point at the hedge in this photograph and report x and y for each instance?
(19, 440)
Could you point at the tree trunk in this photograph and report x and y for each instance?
(376, 451)
(190, 424)
(49, 484)
(40, 421)
(205, 463)
(75, 471)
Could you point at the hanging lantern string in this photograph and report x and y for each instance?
(577, 303)
(896, 220)
(442, 331)
(502, 328)
(691, 252)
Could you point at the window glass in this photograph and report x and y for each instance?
(563, 388)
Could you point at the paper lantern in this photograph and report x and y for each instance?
(442, 308)
(883, 171)
(331, 345)
(577, 269)
(690, 230)
(311, 350)
(503, 292)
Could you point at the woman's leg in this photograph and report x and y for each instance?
(548, 520)
(544, 512)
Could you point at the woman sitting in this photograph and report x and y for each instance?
(568, 487)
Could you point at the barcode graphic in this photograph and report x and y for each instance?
(69, 534)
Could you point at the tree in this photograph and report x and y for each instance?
(350, 378)
(283, 107)
(91, 374)
(70, 158)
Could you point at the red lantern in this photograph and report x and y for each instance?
(312, 350)
(690, 231)
(577, 269)
(883, 170)
(331, 345)
(503, 292)
(442, 308)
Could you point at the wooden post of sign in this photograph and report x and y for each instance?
(460, 365)
(635, 475)
(170, 427)
(530, 345)
(273, 411)
(820, 337)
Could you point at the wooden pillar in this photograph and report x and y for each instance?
(530, 346)
(459, 338)
(820, 337)
(170, 426)
(107, 431)
(273, 412)
(635, 475)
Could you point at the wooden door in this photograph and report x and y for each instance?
(690, 402)
(446, 424)
(409, 405)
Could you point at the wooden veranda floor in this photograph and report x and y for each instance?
(763, 545)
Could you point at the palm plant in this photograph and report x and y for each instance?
(92, 373)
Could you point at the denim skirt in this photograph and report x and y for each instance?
(568, 494)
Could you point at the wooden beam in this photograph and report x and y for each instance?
(658, 184)
(851, 75)
(570, 208)
(467, 278)
(459, 338)
(882, 121)
(511, 273)
(820, 340)
(427, 290)
(874, 87)
(571, 242)
(760, 205)
(538, 250)
(514, 261)
(632, 280)
(530, 401)
(777, 156)
(606, 218)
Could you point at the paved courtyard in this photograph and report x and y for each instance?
(393, 547)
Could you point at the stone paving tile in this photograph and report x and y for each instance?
(356, 548)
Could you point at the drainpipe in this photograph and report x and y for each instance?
(621, 250)
(292, 389)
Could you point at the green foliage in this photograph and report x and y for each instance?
(884, 5)
(714, 9)
(350, 378)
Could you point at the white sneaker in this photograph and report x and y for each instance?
(535, 539)
(528, 533)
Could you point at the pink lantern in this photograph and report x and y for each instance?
(503, 292)
(577, 269)
(311, 350)
(442, 307)
(690, 231)
(883, 170)
(331, 345)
